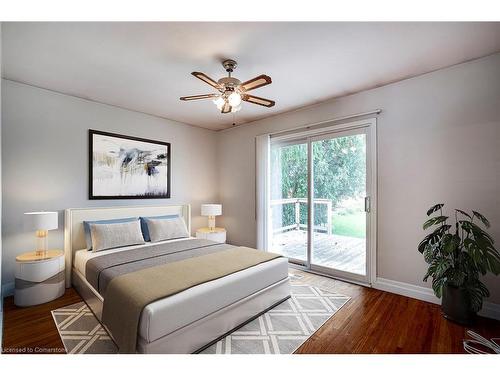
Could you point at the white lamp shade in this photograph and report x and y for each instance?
(40, 220)
(211, 209)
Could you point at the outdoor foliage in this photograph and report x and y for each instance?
(350, 225)
(458, 256)
(339, 173)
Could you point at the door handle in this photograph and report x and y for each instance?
(367, 204)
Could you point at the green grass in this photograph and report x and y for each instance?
(351, 225)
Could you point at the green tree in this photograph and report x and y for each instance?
(289, 172)
(339, 168)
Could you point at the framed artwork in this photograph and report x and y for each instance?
(123, 167)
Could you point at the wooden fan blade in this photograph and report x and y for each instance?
(255, 83)
(206, 79)
(196, 97)
(226, 108)
(256, 100)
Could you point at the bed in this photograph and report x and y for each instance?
(187, 321)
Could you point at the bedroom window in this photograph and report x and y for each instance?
(334, 168)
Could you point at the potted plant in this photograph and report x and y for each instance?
(457, 256)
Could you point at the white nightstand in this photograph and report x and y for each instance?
(39, 278)
(216, 234)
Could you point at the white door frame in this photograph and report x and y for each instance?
(370, 129)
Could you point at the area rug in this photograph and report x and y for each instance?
(81, 332)
(281, 330)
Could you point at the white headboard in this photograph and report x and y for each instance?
(74, 235)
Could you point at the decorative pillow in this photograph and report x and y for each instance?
(144, 224)
(86, 227)
(110, 236)
(161, 229)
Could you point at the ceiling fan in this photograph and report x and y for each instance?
(231, 91)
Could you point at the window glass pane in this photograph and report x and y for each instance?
(289, 200)
(339, 178)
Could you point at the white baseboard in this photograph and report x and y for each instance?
(408, 290)
(490, 310)
(8, 289)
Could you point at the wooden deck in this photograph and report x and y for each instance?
(339, 252)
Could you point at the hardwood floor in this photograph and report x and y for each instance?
(373, 321)
(31, 329)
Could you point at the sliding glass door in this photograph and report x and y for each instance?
(339, 193)
(334, 171)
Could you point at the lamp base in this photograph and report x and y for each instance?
(211, 223)
(42, 245)
(41, 253)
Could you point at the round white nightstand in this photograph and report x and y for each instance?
(216, 234)
(39, 278)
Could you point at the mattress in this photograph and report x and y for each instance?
(167, 315)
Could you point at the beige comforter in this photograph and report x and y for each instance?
(127, 295)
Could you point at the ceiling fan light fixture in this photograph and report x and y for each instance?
(234, 99)
(231, 91)
(219, 102)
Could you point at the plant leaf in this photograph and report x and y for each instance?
(478, 232)
(457, 278)
(450, 242)
(463, 213)
(476, 291)
(434, 220)
(493, 263)
(482, 218)
(472, 228)
(433, 237)
(434, 208)
(437, 286)
(428, 254)
(442, 266)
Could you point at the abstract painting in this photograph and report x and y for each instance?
(123, 167)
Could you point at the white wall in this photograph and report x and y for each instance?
(438, 141)
(45, 160)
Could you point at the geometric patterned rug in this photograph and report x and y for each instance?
(284, 328)
(281, 330)
(81, 332)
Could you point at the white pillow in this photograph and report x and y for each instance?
(109, 236)
(167, 229)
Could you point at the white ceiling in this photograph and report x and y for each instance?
(146, 66)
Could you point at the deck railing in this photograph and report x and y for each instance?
(297, 225)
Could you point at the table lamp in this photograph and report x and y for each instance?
(211, 210)
(41, 223)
